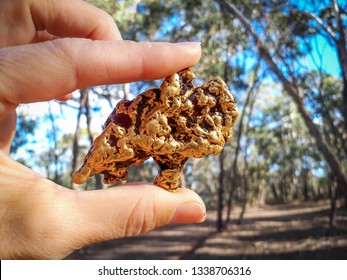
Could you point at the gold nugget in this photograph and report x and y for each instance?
(169, 124)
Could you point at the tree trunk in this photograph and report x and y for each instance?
(75, 146)
(244, 199)
(84, 107)
(220, 193)
(245, 181)
(341, 46)
(98, 180)
(274, 192)
(293, 92)
(183, 181)
(261, 195)
(234, 172)
(305, 184)
(245, 174)
(333, 196)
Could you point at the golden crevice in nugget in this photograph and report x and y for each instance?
(169, 124)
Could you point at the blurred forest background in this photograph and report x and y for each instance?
(286, 64)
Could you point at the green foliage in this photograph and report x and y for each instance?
(323, 94)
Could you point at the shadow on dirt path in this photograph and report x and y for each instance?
(274, 232)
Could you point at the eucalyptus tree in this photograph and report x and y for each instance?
(273, 28)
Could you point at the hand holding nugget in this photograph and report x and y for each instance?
(47, 52)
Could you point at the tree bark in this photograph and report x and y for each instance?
(245, 174)
(293, 92)
(304, 177)
(333, 196)
(219, 225)
(341, 46)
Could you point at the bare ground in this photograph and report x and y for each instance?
(273, 232)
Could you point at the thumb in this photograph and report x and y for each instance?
(130, 210)
(40, 219)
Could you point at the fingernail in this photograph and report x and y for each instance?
(189, 212)
(193, 44)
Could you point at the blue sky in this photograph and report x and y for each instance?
(323, 55)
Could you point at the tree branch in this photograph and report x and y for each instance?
(293, 92)
(320, 22)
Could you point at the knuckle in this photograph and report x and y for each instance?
(141, 219)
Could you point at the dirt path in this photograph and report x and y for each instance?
(276, 232)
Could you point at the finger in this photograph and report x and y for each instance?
(73, 18)
(32, 208)
(131, 210)
(24, 22)
(18, 169)
(48, 70)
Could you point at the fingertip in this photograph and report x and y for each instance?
(192, 51)
(186, 206)
(154, 60)
(194, 47)
(189, 211)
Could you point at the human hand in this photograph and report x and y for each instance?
(47, 51)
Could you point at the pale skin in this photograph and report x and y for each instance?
(48, 50)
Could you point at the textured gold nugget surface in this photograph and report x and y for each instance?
(169, 124)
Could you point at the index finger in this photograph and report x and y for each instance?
(73, 18)
(49, 70)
